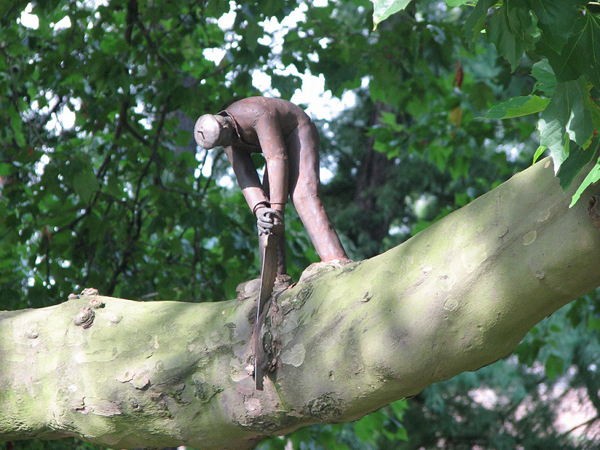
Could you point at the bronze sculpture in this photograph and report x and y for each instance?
(289, 140)
(290, 143)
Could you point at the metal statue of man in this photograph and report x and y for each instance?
(290, 143)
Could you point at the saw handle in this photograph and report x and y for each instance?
(269, 221)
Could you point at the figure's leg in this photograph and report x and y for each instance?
(303, 158)
(281, 264)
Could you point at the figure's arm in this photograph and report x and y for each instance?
(247, 178)
(273, 148)
(245, 172)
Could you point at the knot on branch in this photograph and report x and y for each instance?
(88, 292)
(85, 317)
(325, 407)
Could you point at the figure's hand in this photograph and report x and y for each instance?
(269, 220)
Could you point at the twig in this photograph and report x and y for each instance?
(137, 135)
(587, 422)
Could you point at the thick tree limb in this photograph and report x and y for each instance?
(349, 340)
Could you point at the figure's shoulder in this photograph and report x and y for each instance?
(249, 102)
(252, 111)
(249, 107)
(261, 104)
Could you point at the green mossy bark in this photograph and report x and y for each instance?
(141, 375)
(348, 340)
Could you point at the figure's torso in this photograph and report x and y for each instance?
(284, 116)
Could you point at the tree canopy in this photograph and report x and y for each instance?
(101, 183)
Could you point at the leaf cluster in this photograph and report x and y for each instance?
(565, 37)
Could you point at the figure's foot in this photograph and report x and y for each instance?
(247, 288)
(282, 282)
(251, 287)
(323, 266)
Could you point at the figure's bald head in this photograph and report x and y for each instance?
(213, 130)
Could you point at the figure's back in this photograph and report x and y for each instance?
(248, 111)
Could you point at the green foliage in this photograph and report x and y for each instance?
(421, 120)
(593, 176)
(64, 444)
(453, 3)
(116, 200)
(475, 23)
(568, 35)
(512, 30)
(385, 8)
(517, 107)
(581, 54)
(554, 366)
(545, 78)
(555, 19)
(566, 119)
(578, 158)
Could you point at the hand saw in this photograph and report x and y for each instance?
(268, 273)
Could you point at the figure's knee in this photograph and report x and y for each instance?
(305, 190)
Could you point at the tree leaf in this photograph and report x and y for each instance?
(567, 116)
(578, 158)
(527, 352)
(16, 125)
(183, 138)
(382, 9)
(517, 107)
(6, 169)
(554, 366)
(399, 407)
(595, 110)
(253, 33)
(591, 178)
(580, 55)
(511, 28)
(476, 20)
(555, 19)
(539, 152)
(545, 78)
(85, 184)
(593, 323)
(454, 3)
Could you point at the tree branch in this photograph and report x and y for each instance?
(137, 135)
(586, 423)
(348, 340)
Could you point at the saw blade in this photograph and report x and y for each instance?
(268, 273)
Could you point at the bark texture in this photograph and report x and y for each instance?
(348, 340)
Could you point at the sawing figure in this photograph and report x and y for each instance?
(290, 143)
